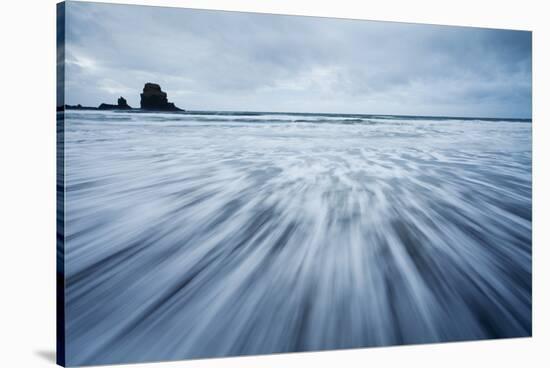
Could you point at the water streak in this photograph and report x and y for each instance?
(205, 235)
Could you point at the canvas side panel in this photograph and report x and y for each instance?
(60, 191)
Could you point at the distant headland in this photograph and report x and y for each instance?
(152, 99)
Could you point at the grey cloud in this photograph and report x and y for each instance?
(243, 61)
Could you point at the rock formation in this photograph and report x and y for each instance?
(76, 107)
(121, 105)
(153, 98)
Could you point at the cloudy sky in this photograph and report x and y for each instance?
(210, 60)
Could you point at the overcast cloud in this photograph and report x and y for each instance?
(213, 60)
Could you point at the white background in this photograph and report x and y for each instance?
(27, 182)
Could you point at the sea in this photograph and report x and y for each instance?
(210, 234)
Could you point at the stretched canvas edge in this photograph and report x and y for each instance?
(60, 185)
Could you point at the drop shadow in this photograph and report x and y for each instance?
(48, 355)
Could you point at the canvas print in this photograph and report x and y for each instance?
(235, 183)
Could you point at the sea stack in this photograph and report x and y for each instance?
(153, 98)
(121, 105)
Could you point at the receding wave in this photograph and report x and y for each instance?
(189, 236)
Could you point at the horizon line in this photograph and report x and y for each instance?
(326, 113)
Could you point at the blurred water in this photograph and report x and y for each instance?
(206, 235)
